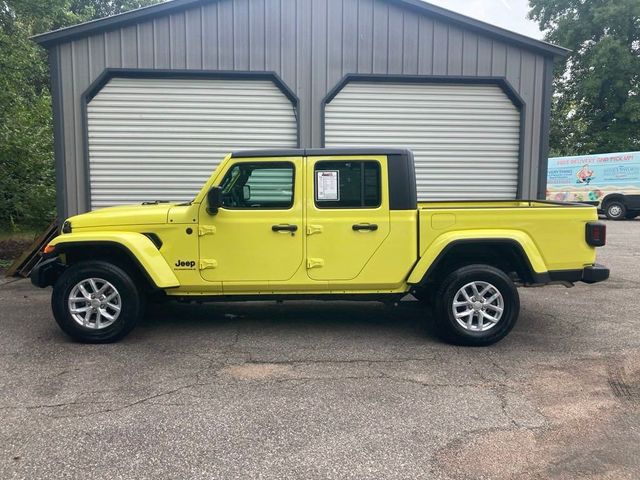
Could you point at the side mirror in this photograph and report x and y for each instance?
(214, 200)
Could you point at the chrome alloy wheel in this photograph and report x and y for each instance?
(478, 306)
(94, 303)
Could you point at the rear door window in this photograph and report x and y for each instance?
(347, 184)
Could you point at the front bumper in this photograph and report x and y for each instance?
(591, 274)
(46, 272)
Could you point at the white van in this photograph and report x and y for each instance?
(611, 181)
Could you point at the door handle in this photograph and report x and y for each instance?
(365, 226)
(284, 228)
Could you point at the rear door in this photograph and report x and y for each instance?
(347, 214)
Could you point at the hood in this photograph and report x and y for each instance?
(123, 215)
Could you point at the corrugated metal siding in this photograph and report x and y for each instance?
(160, 139)
(310, 44)
(465, 138)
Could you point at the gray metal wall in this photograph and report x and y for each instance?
(451, 129)
(311, 45)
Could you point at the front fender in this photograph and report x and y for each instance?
(439, 245)
(137, 245)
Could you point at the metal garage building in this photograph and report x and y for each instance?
(146, 103)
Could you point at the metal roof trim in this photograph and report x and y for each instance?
(54, 37)
(91, 27)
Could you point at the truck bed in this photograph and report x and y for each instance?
(556, 230)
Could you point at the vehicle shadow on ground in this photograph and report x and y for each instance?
(408, 319)
(410, 322)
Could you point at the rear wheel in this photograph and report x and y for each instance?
(615, 210)
(96, 302)
(476, 305)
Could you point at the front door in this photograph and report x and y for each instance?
(347, 214)
(257, 235)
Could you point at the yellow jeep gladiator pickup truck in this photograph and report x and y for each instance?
(318, 224)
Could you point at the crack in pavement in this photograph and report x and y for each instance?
(337, 362)
(210, 365)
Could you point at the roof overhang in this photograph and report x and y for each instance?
(92, 27)
(62, 35)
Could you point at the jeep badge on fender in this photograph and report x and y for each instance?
(185, 264)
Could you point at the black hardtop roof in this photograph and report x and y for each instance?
(334, 151)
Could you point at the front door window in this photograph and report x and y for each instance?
(258, 185)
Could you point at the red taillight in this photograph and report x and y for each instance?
(49, 249)
(596, 234)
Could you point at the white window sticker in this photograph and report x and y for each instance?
(327, 182)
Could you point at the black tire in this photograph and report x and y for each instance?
(131, 302)
(615, 210)
(446, 324)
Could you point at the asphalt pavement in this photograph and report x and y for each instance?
(330, 390)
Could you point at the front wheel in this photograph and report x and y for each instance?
(476, 305)
(615, 210)
(96, 302)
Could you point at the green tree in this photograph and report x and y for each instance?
(596, 106)
(27, 186)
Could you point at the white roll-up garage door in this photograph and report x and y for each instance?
(160, 139)
(465, 137)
